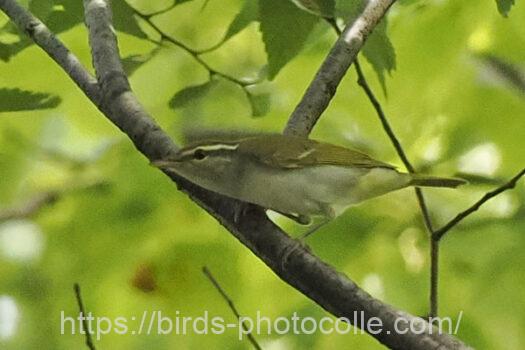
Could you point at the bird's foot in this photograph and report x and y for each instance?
(313, 228)
(239, 209)
(297, 244)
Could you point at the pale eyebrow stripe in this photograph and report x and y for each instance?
(218, 147)
(212, 147)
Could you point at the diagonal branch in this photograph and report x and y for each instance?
(35, 204)
(196, 55)
(304, 271)
(29, 208)
(85, 323)
(322, 89)
(438, 234)
(118, 103)
(232, 306)
(434, 245)
(361, 80)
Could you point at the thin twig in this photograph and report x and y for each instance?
(39, 201)
(194, 53)
(30, 208)
(163, 11)
(434, 245)
(361, 80)
(85, 325)
(438, 234)
(434, 279)
(228, 300)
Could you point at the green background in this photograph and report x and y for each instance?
(122, 230)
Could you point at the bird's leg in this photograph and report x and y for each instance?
(314, 228)
(296, 245)
(300, 242)
(300, 219)
(329, 214)
(239, 209)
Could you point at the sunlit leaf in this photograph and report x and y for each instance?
(248, 14)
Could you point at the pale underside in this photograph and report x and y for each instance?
(324, 190)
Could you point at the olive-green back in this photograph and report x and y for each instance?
(296, 152)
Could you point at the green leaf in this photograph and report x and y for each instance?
(190, 94)
(322, 8)
(380, 52)
(12, 100)
(124, 19)
(62, 15)
(285, 29)
(9, 50)
(41, 8)
(259, 103)
(504, 6)
(133, 62)
(248, 14)
(66, 15)
(349, 10)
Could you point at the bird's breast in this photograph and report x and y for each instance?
(306, 191)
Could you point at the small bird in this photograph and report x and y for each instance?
(294, 176)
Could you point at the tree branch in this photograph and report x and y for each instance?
(434, 245)
(322, 89)
(303, 270)
(118, 102)
(85, 324)
(31, 207)
(438, 234)
(243, 83)
(231, 304)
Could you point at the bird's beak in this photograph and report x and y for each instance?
(163, 164)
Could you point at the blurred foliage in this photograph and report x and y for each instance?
(504, 6)
(138, 244)
(19, 100)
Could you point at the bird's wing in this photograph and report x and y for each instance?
(294, 152)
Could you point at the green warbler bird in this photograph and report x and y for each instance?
(297, 177)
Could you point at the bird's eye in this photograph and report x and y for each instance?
(199, 154)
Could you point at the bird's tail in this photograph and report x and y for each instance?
(434, 181)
